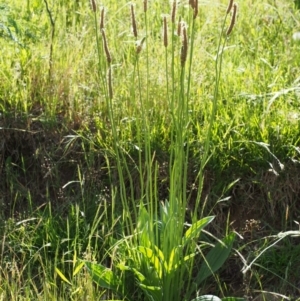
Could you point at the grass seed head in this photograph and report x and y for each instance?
(93, 5)
(173, 13)
(139, 45)
(233, 19)
(165, 32)
(184, 46)
(133, 21)
(179, 25)
(102, 19)
(145, 5)
(106, 49)
(196, 8)
(192, 3)
(109, 82)
(229, 7)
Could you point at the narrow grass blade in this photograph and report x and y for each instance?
(62, 276)
(78, 268)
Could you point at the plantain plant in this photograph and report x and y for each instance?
(160, 255)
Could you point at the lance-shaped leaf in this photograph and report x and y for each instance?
(62, 276)
(215, 258)
(195, 229)
(153, 259)
(103, 276)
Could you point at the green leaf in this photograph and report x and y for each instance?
(154, 260)
(159, 253)
(169, 266)
(215, 258)
(195, 229)
(62, 276)
(78, 268)
(150, 287)
(103, 276)
(152, 292)
(190, 256)
(143, 227)
(138, 274)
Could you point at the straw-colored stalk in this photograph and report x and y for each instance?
(109, 82)
(106, 49)
(184, 46)
(196, 8)
(145, 6)
(93, 5)
(165, 32)
(102, 18)
(229, 7)
(133, 21)
(233, 19)
(173, 13)
(179, 25)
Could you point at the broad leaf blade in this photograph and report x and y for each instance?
(152, 292)
(215, 258)
(153, 259)
(103, 276)
(195, 229)
(138, 274)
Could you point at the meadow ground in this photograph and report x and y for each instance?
(118, 137)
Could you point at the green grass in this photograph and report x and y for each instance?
(86, 177)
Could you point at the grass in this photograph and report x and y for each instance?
(105, 179)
